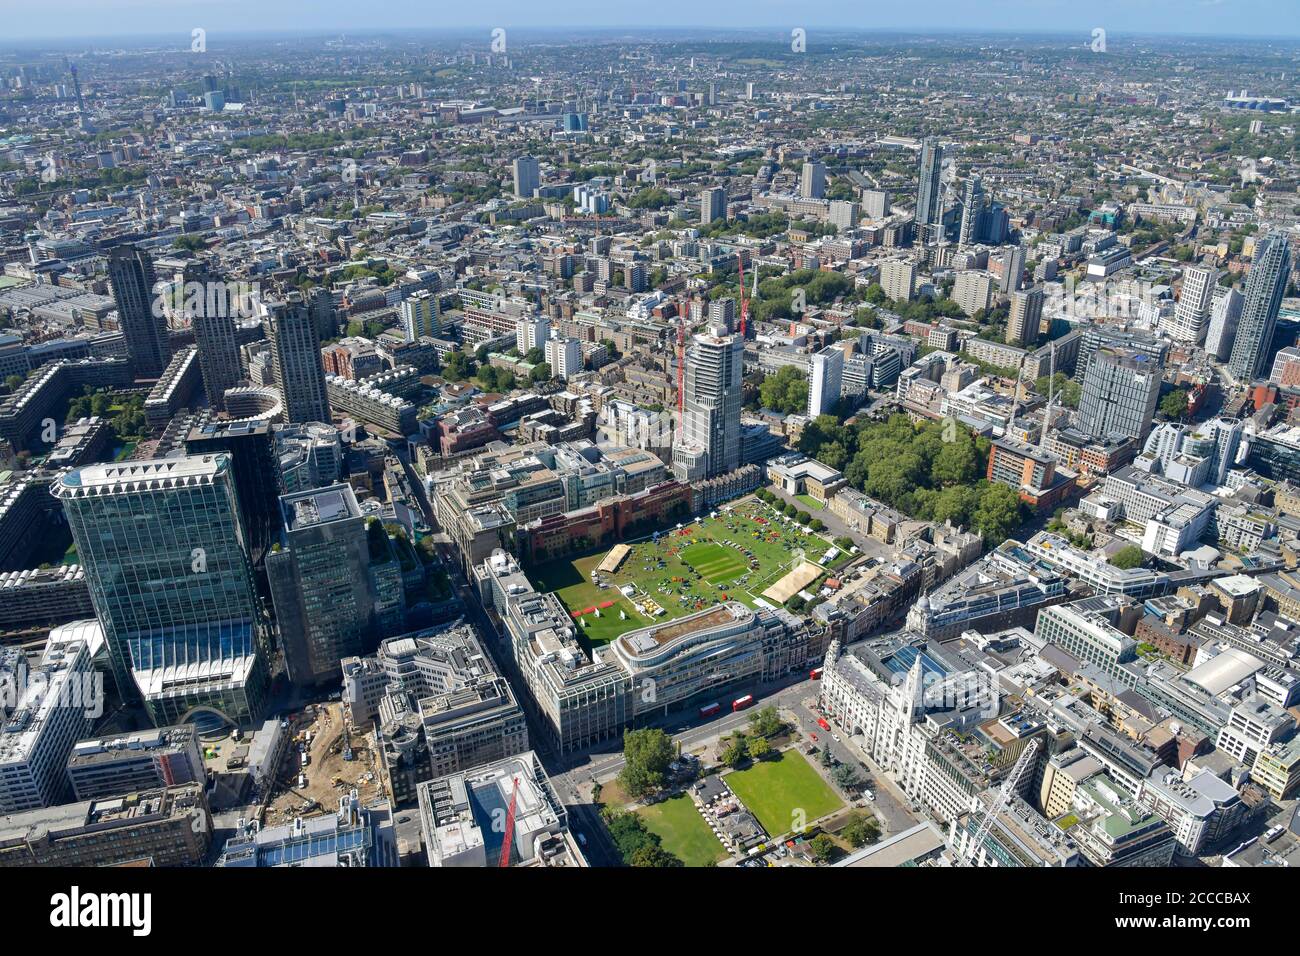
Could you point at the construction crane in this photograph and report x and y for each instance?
(510, 825)
(681, 367)
(999, 805)
(744, 302)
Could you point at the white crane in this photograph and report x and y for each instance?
(1001, 803)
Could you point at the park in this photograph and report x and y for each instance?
(734, 554)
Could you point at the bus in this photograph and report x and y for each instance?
(708, 710)
(740, 703)
(815, 673)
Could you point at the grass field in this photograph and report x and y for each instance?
(716, 563)
(774, 789)
(683, 570)
(683, 831)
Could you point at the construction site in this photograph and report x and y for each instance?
(338, 759)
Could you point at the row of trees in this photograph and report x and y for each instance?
(790, 511)
(929, 470)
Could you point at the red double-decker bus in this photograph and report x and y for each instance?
(708, 710)
(740, 703)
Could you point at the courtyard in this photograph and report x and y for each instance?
(734, 554)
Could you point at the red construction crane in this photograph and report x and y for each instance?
(510, 825)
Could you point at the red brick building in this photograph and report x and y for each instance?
(605, 523)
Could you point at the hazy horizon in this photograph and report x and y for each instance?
(146, 19)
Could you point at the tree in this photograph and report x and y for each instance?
(860, 829)
(457, 367)
(632, 840)
(646, 754)
(1129, 556)
(534, 356)
(845, 776)
(1174, 405)
(956, 504)
(1065, 390)
(540, 373)
(759, 748)
(998, 513)
(654, 855)
(833, 455)
(736, 751)
(823, 848)
(785, 392)
(766, 722)
(957, 462)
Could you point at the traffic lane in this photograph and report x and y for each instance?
(893, 814)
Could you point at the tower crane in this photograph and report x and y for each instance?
(744, 302)
(999, 805)
(510, 825)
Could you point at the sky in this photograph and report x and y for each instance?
(25, 19)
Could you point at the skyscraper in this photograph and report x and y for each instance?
(875, 203)
(713, 204)
(212, 318)
(1225, 313)
(1025, 317)
(826, 372)
(421, 315)
(564, 355)
(1013, 269)
(131, 274)
(812, 180)
(1192, 313)
(321, 302)
(170, 578)
(1218, 440)
(1120, 389)
(709, 440)
(256, 472)
(972, 212)
(295, 356)
(320, 583)
(1270, 268)
(531, 332)
(527, 176)
(929, 191)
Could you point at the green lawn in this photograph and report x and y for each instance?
(810, 502)
(683, 571)
(774, 789)
(716, 563)
(683, 831)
